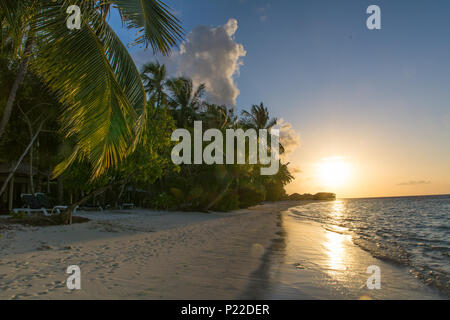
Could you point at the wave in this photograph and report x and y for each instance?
(412, 231)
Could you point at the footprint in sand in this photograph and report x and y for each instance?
(20, 295)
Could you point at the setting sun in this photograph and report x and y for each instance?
(333, 172)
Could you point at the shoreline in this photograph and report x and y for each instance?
(255, 253)
(309, 261)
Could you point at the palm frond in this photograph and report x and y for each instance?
(14, 18)
(158, 27)
(95, 78)
(198, 94)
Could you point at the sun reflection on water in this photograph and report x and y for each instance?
(335, 243)
(335, 251)
(337, 210)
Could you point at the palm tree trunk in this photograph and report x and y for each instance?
(31, 171)
(68, 214)
(61, 190)
(11, 174)
(122, 189)
(30, 130)
(21, 72)
(38, 176)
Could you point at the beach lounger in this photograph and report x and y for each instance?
(90, 207)
(45, 203)
(127, 206)
(31, 204)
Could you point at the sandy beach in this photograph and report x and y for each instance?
(139, 254)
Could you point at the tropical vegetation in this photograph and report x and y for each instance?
(93, 128)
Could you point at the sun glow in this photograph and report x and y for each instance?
(333, 172)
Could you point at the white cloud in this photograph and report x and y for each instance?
(414, 183)
(210, 55)
(289, 138)
(294, 169)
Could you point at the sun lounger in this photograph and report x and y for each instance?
(90, 207)
(127, 206)
(45, 203)
(31, 204)
(39, 203)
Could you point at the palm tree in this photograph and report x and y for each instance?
(90, 69)
(258, 118)
(184, 101)
(154, 76)
(219, 117)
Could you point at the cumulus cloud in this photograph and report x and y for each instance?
(211, 56)
(289, 138)
(414, 183)
(294, 169)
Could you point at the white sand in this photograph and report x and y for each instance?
(139, 254)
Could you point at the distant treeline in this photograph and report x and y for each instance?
(307, 196)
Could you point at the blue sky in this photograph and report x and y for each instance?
(378, 98)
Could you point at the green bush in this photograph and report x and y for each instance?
(163, 202)
(275, 192)
(229, 202)
(19, 215)
(251, 195)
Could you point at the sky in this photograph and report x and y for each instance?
(367, 111)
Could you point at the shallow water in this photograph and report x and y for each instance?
(308, 261)
(409, 231)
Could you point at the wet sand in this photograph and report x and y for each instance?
(310, 262)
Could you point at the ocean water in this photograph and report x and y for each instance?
(409, 231)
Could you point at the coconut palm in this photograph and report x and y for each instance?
(184, 101)
(219, 117)
(258, 118)
(89, 69)
(154, 76)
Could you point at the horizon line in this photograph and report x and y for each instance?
(381, 197)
